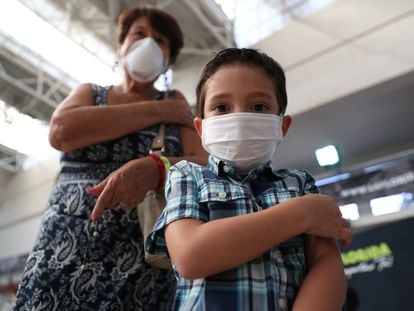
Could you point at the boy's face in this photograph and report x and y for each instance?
(240, 88)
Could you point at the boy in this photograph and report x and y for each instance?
(234, 228)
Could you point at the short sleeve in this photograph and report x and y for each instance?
(310, 184)
(181, 191)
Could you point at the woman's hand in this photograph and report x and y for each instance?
(176, 111)
(127, 186)
(324, 218)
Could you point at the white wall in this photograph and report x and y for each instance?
(23, 199)
(185, 80)
(3, 179)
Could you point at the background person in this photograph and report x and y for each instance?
(105, 133)
(234, 228)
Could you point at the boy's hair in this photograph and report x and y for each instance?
(248, 57)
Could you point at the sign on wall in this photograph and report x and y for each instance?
(379, 266)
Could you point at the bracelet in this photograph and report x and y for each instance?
(167, 163)
(161, 169)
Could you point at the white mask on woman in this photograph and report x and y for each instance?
(144, 61)
(246, 140)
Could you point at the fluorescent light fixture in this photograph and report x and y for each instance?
(332, 179)
(327, 156)
(350, 211)
(389, 204)
(253, 21)
(373, 168)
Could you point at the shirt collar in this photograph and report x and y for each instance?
(225, 169)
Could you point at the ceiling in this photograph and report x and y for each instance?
(35, 86)
(350, 80)
(345, 47)
(349, 68)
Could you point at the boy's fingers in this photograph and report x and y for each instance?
(346, 223)
(346, 237)
(346, 232)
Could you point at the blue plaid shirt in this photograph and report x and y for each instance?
(269, 282)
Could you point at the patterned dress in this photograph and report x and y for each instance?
(80, 265)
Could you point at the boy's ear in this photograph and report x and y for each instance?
(198, 125)
(287, 121)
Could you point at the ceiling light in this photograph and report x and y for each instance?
(327, 156)
(350, 211)
(389, 204)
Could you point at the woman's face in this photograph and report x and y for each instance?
(141, 29)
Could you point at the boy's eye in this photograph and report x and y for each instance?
(259, 107)
(221, 108)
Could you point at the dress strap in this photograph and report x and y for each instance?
(100, 94)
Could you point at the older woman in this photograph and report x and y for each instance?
(89, 251)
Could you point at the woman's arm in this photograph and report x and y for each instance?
(192, 149)
(122, 184)
(201, 249)
(191, 146)
(77, 123)
(324, 287)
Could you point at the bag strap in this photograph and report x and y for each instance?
(158, 146)
(158, 143)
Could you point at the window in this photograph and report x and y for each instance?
(256, 20)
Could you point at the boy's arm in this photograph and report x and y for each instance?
(324, 286)
(199, 249)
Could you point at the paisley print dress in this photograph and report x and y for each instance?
(80, 265)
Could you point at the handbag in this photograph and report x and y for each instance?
(151, 208)
(148, 212)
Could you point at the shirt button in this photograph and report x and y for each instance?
(96, 234)
(282, 303)
(82, 267)
(226, 169)
(222, 194)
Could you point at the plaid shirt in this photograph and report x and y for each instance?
(269, 282)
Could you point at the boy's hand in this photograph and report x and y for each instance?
(325, 219)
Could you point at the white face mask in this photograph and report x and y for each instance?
(144, 61)
(244, 139)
